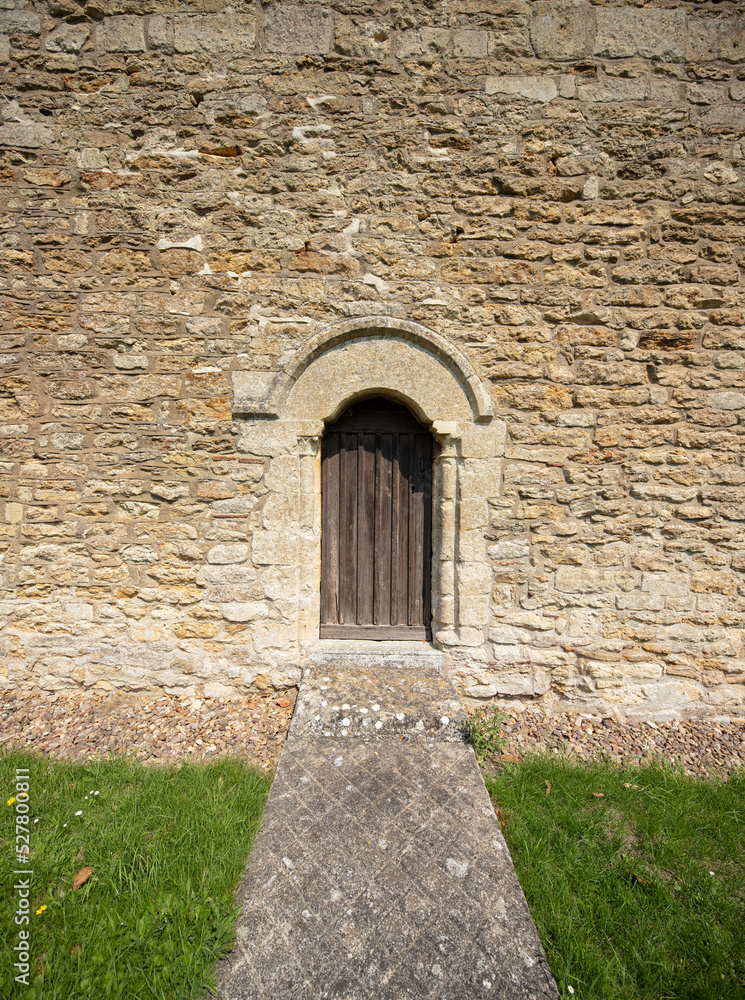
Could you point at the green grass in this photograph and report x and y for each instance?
(639, 894)
(166, 846)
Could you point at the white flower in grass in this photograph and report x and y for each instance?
(571, 989)
(79, 812)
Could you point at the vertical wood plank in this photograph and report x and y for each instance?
(400, 533)
(365, 528)
(330, 529)
(383, 496)
(416, 531)
(348, 530)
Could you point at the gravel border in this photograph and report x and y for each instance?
(700, 747)
(75, 726)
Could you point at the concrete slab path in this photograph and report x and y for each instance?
(380, 871)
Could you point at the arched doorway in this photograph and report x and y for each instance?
(376, 524)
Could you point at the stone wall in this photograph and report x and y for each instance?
(190, 192)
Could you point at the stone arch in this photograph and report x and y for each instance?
(392, 334)
(284, 420)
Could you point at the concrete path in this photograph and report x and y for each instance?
(380, 871)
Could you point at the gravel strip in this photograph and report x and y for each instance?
(74, 726)
(168, 729)
(700, 747)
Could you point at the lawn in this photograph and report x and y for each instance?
(635, 876)
(134, 869)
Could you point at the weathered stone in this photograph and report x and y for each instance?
(228, 553)
(19, 22)
(470, 44)
(296, 29)
(560, 30)
(621, 32)
(534, 88)
(218, 33)
(67, 38)
(121, 34)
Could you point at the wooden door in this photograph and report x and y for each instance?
(376, 530)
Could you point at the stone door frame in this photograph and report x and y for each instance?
(283, 418)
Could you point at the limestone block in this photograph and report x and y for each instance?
(533, 88)
(422, 42)
(139, 553)
(474, 611)
(228, 553)
(670, 694)
(275, 548)
(160, 34)
(727, 695)
(621, 32)
(19, 22)
(506, 635)
(26, 133)
(295, 29)
(474, 513)
(472, 546)
(214, 33)
(226, 574)
(233, 505)
(594, 579)
(362, 39)
(252, 385)
(121, 34)
(469, 636)
(67, 38)
(282, 475)
(560, 30)
(243, 611)
(727, 400)
(273, 636)
(474, 578)
(483, 440)
(613, 89)
(143, 387)
(640, 602)
(479, 478)
(715, 38)
(470, 44)
(510, 550)
(707, 581)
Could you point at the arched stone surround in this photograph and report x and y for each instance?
(284, 421)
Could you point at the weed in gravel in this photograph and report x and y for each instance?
(485, 734)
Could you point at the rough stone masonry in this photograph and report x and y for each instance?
(203, 203)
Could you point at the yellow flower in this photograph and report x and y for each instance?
(10, 801)
(41, 910)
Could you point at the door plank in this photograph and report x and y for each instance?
(365, 528)
(330, 529)
(416, 530)
(383, 480)
(348, 530)
(400, 533)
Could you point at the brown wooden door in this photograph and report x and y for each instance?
(376, 540)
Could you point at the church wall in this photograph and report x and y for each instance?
(190, 192)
